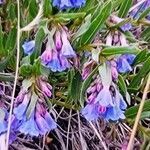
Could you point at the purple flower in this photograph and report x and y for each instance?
(104, 97)
(126, 27)
(114, 71)
(56, 59)
(43, 119)
(44, 87)
(78, 3)
(103, 102)
(39, 123)
(67, 50)
(65, 4)
(28, 47)
(20, 109)
(87, 68)
(58, 41)
(91, 112)
(29, 126)
(124, 63)
(114, 113)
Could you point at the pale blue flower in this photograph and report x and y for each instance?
(45, 122)
(124, 63)
(29, 126)
(126, 27)
(20, 110)
(65, 4)
(28, 47)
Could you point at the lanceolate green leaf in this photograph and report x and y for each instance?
(96, 24)
(76, 86)
(5, 62)
(122, 84)
(6, 78)
(132, 111)
(146, 34)
(141, 57)
(141, 74)
(123, 88)
(11, 40)
(84, 27)
(47, 8)
(113, 50)
(85, 85)
(40, 35)
(33, 4)
(124, 8)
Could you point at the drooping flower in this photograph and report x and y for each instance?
(102, 97)
(28, 47)
(126, 27)
(110, 106)
(124, 63)
(43, 119)
(87, 68)
(65, 4)
(29, 126)
(57, 58)
(39, 123)
(21, 105)
(114, 70)
(36, 120)
(121, 63)
(44, 86)
(67, 50)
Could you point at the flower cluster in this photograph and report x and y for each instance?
(57, 57)
(125, 61)
(30, 113)
(104, 100)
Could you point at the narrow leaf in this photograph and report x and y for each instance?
(113, 50)
(124, 8)
(132, 111)
(76, 86)
(97, 23)
(135, 82)
(39, 37)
